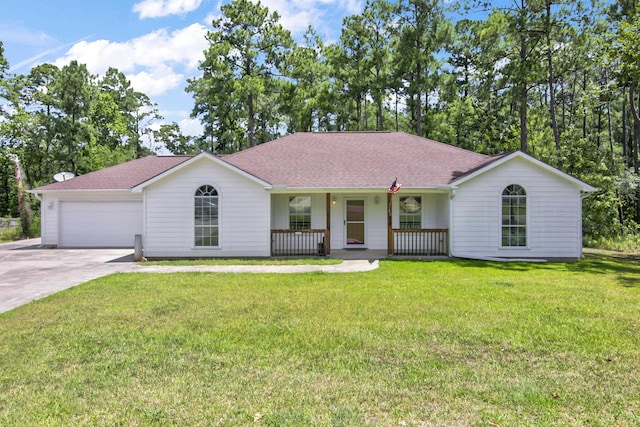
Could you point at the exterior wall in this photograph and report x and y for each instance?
(244, 214)
(554, 214)
(51, 224)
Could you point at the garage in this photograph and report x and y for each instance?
(111, 224)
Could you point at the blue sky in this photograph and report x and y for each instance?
(156, 43)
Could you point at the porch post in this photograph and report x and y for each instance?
(327, 235)
(390, 248)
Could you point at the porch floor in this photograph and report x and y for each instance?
(372, 255)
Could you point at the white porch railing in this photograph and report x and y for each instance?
(298, 243)
(433, 242)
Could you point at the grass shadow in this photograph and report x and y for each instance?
(625, 267)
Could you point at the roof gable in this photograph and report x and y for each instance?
(520, 155)
(194, 159)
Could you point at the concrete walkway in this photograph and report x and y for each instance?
(29, 272)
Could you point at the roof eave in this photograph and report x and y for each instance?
(371, 189)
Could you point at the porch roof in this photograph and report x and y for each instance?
(356, 160)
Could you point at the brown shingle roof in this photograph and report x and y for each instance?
(120, 177)
(356, 159)
(314, 160)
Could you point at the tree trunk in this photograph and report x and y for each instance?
(252, 121)
(636, 138)
(523, 96)
(23, 206)
(418, 103)
(625, 134)
(610, 134)
(552, 91)
(397, 118)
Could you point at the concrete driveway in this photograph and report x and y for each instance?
(28, 272)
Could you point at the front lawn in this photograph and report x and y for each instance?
(447, 343)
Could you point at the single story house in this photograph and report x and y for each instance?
(311, 193)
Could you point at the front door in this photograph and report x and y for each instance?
(355, 223)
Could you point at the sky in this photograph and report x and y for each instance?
(157, 44)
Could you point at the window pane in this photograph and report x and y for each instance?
(355, 210)
(300, 213)
(514, 216)
(206, 216)
(410, 213)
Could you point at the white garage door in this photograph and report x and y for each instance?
(100, 224)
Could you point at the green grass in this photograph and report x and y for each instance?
(245, 261)
(452, 343)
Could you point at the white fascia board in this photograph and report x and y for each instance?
(519, 154)
(210, 157)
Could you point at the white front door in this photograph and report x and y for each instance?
(355, 223)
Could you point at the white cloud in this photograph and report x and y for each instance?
(192, 127)
(297, 15)
(16, 33)
(156, 81)
(154, 62)
(160, 8)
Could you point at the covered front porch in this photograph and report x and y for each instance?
(410, 224)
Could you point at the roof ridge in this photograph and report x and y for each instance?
(455, 147)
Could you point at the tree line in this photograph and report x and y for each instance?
(557, 79)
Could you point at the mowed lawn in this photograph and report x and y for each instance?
(443, 343)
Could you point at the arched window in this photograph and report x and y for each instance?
(206, 216)
(514, 216)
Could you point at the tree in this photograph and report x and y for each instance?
(172, 138)
(626, 51)
(423, 31)
(132, 116)
(247, 47)
(305, 94)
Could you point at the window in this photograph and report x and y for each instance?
(514, 217)
(410, 213)
(300, 213)
(206, 217)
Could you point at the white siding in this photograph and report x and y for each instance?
(169, 214)
(49, 220)
(554, 210)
